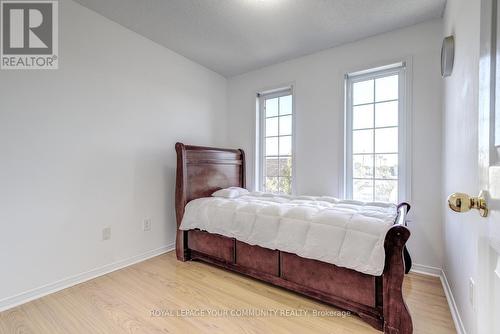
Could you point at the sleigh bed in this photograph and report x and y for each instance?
(378, 300)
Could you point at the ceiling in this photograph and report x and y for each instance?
(236, 36)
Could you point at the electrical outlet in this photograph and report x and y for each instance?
(146, 225)
(472, 288)
(106, 233)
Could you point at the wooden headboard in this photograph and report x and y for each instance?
(203, 170)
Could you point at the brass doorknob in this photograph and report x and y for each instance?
(460, 202)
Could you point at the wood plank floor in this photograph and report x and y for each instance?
(123, 302)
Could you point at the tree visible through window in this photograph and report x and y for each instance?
(373, 118)
(276, 142)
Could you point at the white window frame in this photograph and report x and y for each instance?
(260, 134)
(404, 126)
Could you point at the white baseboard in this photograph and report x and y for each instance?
(459, 325)
(426, 270)
(438, 272)
(44, 290)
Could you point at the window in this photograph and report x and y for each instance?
(276, 141)
(375, 135)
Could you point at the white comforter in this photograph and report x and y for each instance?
(345, 233)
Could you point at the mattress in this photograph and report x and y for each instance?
(346, 233)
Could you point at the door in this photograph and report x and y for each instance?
(487, 287)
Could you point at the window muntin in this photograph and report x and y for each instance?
(374, 135)
(276, 142)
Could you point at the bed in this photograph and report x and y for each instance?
(377, 299)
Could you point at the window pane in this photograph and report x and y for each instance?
(386, 114)
(285, 125)
(362, 141)
(362, 166)
(386, 166)
(386, 88)
(286, 145)
(386, 140)
(272, 184)
(285, 105)
(362, 190)
(277, 146)
(362, 92)
(386, 191)
(285, 167)
(271, 126)
(285, 184)
(272, 107)
(362, 117)
(272, 146)
(272, 166)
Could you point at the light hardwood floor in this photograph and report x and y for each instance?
(122, 302)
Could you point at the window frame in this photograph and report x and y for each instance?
(261, 130)
(404, 118)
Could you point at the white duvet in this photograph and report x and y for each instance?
(345, 233)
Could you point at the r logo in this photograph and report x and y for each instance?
(27, 28)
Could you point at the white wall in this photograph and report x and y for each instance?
(318, 81)
(460, 153)
(92, 145)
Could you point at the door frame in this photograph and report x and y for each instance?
(486, 89)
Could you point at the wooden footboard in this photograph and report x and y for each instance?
(376, 299)
(397, 318)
